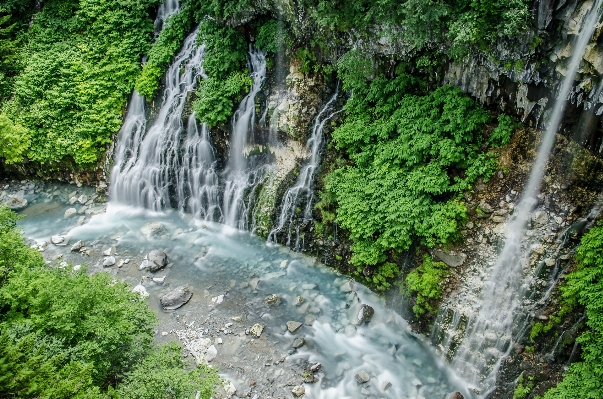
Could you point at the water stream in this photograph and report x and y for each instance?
(496, 317)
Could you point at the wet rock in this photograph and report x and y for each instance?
(156, 260)
(141, 290)
(82, 199)
(455, 395)
(539, 219)
(109, 261)
(365, 314)
(298, 300)
(362, 377)
(484, 207)
(16, 203)
(386, 385)
(298, 391)
(348, 286)
(77, 246)
(151, 229)
(218, 299)
(451, 258)
(298, 343)
(498, 219)
(56, 240)
(109, 251)
(70, 212)
(272, 300)
(315, 367)
(293, 326)
(176, 298)
(416, 382)
(211, 353)
(257, 330)
(72, 200)
(549, 262)
(159, 280)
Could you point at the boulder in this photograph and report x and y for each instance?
(298, 391)
(386, 385)
(151, 229)
(56, 240)
(298, 300)
(141, 290)
(272, 300)
(156, 260)
(298, 343)
(362, 377)
(176, 298)
(455, 395)
(82, 199)
(77, 246)
(365, 314)
(257, 330)
(70, 212)
(451, 258)
(348, 286)
(16, 203)
(293, 326)
(485, 207)
(109, 261)
(539, 219)
(211, 353)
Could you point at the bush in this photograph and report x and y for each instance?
(425, 282)
(15, 139)
(584, 287)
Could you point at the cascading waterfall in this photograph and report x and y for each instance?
(166, 9)
(301, 193)
(198, 184)
(241, 176)
(498, 315)
(147, 162)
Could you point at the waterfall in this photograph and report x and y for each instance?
(166, 9)
(498, 315)
(241, 175)
(147, 161)
(301, 193)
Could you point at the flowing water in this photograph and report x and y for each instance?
(496, 317)
(301, 194)
(243, 175)
(147, 159)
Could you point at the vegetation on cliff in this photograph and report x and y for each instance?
(65, 334)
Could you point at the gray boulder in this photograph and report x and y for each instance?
(455, 395)
(156, 260)
(451, 258)
(77, 246)
(151, 229)
(365, 314)
(176, 298)
(109, 261)
(16, 203)
(293, 326)
(362, 377)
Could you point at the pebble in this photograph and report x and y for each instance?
(257, 330)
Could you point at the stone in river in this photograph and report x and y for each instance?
(109, 261)
(70, 212)
(77, 246)
(272, 300)
(257, 330)
(57, 239)
(176, 298)
(151, 229)
(362, 377)
(455, 395)
(293, 326)
(82, 199)
(299, 391)
(156, 260)
(386, 385)
(16, 203)
(348, 286)
(298, 300)
(211, 353)
(298, 343)
(365, 314)
(141, 290)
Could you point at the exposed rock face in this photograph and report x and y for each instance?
(176, 298)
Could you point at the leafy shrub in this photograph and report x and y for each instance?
(584, 287)
(65, 334)
(522, 391)
(503, 132)
(425, 282)
(224, 64)
(15, 139)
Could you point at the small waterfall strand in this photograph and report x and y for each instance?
(301, 193)
(499, 312)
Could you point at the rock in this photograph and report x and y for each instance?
(365, 314)
(451, 258)
(77, 246)
(362, 377)
(271, 300)
(386, 385)
(238, 319)
(293, 326)
(298, 300)
(455, 395)
(57, 240)
(72, 200)
(485, 207)
(70, 212)
(109, 261)
(156, 260)
(348, 286)
(257, 330)
(315, 367)
(82, 199)
(16, 203)
(549, 262)
(298, 343)
(218, 299)
(151, 229)
(77, 267)
(539, 219)
(308, 286)
(159, 280)
(211, 353)
(416, 382)
(109, 251)
(141, 290)
(176, 298)
(298, 391)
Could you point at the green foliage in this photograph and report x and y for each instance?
(410, 154)
(224, 64)
(271, 36)
(503, 132)
(169, 41)
(163, 374)
(425, 281)
(15, 139)
(222, 9)
(65, 334)
(79, 65)
(380, 281)
(584, 287)
(522, 391)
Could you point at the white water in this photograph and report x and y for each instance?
(147, 160)
(497, 316)
(166, 10)
(301, 194)
(241, 177)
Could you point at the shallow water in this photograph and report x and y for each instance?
(215, 260)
